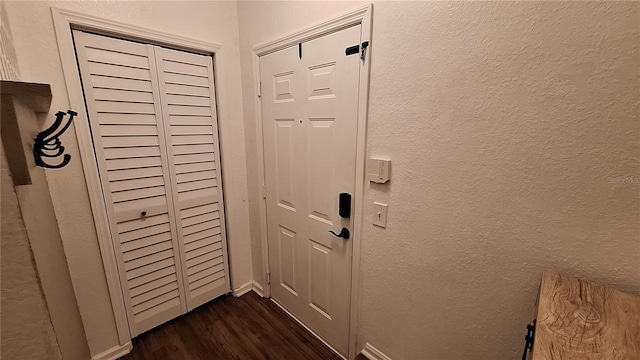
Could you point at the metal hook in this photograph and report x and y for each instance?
(47, 143)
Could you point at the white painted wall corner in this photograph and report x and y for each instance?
(243, 289)
(115, 352)
(372, 353)
(258, 289)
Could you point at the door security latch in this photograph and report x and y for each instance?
(362, 49)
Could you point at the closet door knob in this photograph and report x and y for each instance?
(143, 214)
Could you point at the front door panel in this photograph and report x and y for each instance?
(309, 109)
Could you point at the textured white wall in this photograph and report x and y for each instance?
(505, 123)
(26, 331)
(8, 61)
(39, 61)
(26, 325)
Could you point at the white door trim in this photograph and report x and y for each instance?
(363, 16)
(64, 21)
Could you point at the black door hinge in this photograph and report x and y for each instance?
(362, 48)
(529, 338)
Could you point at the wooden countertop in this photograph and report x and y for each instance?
(19, 102)
(582, 320)
(36, 96)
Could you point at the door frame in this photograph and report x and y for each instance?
(360, 16)
(64, 21)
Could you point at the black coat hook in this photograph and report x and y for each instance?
(47, 143)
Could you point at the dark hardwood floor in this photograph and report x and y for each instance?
(247, 328)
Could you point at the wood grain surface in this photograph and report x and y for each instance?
(34, 95)
(586, 321)
(246, 328)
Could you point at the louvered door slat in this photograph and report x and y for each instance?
(203, 217)
(192, 229)
(142, 173)
(192, 139)
(194, 158)
(120, 83)
(174, 89)
(148, 259)
(138, 283)
(190, 212)
(143, 251)
(189, 120)
(153, 302)
(209, 234)
(123, 95)
(134, 151)
(195, 167)
(128, 130)
(202, 259)
(195, 176)
(145, 317)
(107, 82)
(153, 293)
(185, 100)
(206, 241)
(137, 183)
(189, 129)
(121, 107)
(150, 268)
(180, 79)
(144, 232)
(118, 71)
(129, 141)
(149, 220)
(209, 248)
(146, 241)
(106, 56)
(171, 278)
(131, 119)
(136, 194)
(134, 163)
(216, 262)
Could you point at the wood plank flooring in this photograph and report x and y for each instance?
(247, 328)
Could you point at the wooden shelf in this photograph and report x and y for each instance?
(581, 320)
(20, 102)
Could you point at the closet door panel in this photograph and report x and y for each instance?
(120, 83)
(187, 85)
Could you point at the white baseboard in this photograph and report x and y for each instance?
(372, 353)
(257, 288)
(115, 352)
(243, 289)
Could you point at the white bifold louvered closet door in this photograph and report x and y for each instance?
(153, 121)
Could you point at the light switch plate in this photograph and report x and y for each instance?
(380, 214)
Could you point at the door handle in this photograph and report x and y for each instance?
(344, 233)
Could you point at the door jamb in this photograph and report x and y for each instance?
(64, 21)
(363, 16)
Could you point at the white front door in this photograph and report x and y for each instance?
(309, 109)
